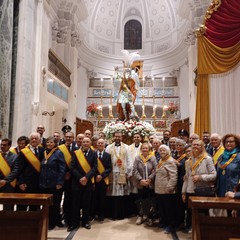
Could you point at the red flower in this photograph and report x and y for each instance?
(92, 108)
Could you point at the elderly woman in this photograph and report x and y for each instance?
(181, 158)
(200, 173)
(144, 172)
(228, 166)
(166, 188)
(51, 179)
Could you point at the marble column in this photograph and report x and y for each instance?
(25, 103)
(6, 36)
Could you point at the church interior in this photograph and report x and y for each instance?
(58, 57)
(62, 62)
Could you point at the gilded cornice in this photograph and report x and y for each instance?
(211, 9)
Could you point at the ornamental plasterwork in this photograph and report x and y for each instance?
(190, 37)
(59, 34)
(91, 74)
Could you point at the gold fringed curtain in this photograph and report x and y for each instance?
(211, 60)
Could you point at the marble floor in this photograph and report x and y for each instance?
(115, 230)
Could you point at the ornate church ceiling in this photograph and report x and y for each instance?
(167, 26)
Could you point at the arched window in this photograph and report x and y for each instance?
(133, 35)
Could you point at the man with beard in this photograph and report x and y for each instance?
(119, 187)
(206, 140)
(166, 137)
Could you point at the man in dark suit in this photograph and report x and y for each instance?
(65, 129)
(206, 139)
(41, 130)
(102, 178)
(68, 149)
(9, 169)
(83, 170)
(29, 164)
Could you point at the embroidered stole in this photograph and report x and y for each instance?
(67, 155)
(83, 162)
(32, 158)
(101, 169)
(5, 169)
(217, 154)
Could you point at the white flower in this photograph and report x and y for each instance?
(129, 128)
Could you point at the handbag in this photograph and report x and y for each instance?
(146, 206)
(205, 191)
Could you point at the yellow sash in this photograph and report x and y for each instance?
(47, 156)
(32, 158)
(101, 169)
(67, 155)
(5, 169)
(228, 162)
(145, 159)
(83, 162)
(161, 162)
(193, 167)
(217, 154)
(181, 158)
(13, 150)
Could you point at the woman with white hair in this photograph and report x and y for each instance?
(200, 175)
(166, 188)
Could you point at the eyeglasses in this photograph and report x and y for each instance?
(232, 141)
(4, 145)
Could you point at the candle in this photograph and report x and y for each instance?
(143, 85)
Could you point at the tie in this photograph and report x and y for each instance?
(36, 151)
(85, 152)
(69, 148)
(214, 151)
(100, 155)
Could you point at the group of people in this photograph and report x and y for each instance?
(101, 179)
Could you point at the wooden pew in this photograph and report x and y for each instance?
(209, 228)
(27, 225)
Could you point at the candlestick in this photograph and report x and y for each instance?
(163, 101)
(143, 109)
(110, 108)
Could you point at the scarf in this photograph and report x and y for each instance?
(227, 154)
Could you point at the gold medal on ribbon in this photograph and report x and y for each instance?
(193, 173)
(223, 172)
(119, 162)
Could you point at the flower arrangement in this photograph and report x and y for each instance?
(172, 107)
(129, 128)
(161, 124)
(92, 108)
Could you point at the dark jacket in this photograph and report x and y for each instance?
(231, 176)
(77, 171)
(107, 163)
(13, 163)
(52, 171)
(28, 174)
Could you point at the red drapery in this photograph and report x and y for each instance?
(223, 27)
